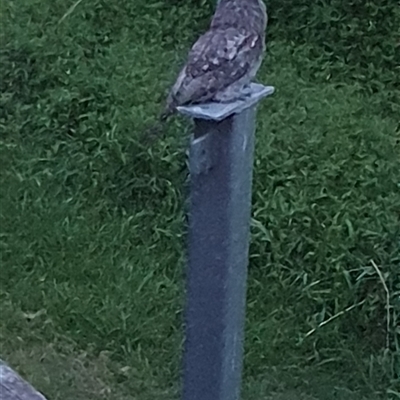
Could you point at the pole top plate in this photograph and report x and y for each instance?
(219, 111)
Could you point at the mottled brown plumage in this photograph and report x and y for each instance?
(225, 59)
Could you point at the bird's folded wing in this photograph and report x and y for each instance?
(217, 60)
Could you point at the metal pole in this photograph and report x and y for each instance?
(221, 163)
(13, 387)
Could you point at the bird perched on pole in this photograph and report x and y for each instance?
(225, 59)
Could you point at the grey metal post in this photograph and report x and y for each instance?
(13, 387)
(221, 163)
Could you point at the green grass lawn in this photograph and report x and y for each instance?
(92, 222)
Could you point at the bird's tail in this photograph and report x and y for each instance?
(158, 129)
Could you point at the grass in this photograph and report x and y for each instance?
(92, 223)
